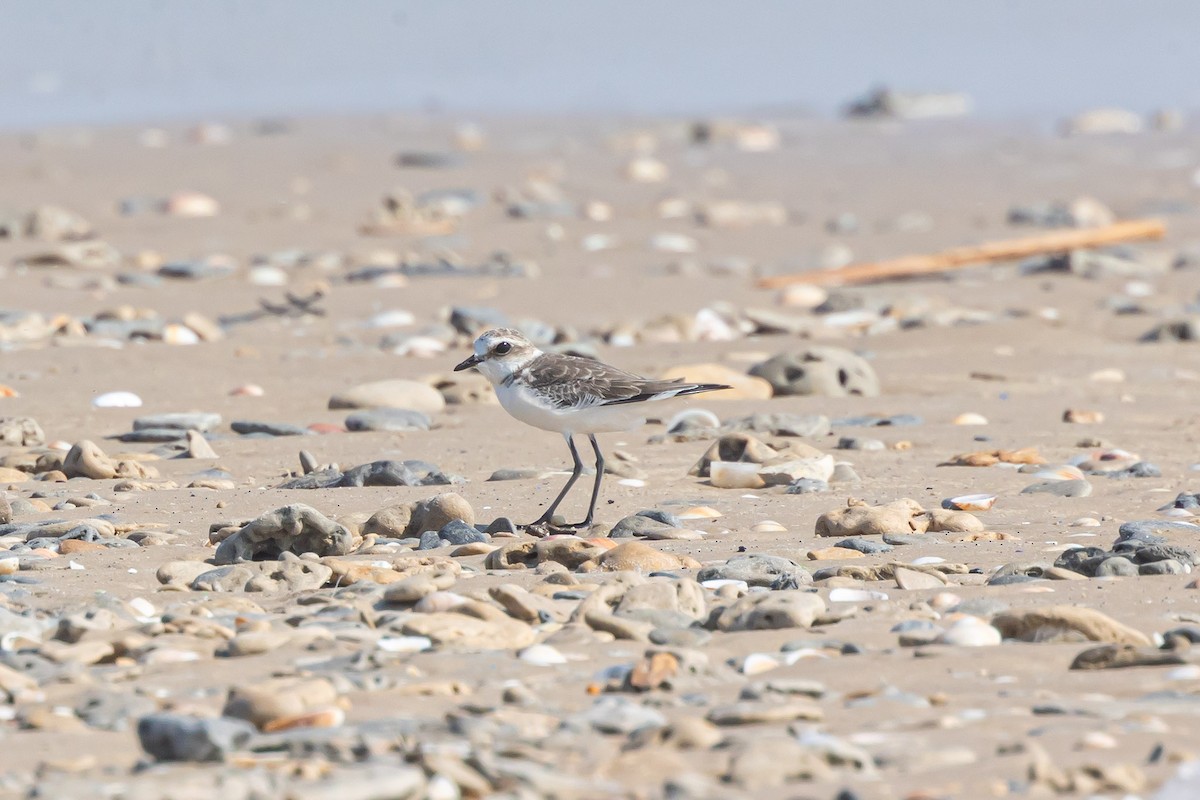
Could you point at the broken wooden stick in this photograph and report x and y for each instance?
(958, 257)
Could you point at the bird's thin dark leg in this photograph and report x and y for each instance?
(575, 473)
(596, 486)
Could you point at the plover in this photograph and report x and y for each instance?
(568, 395)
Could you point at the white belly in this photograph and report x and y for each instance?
(523, 405)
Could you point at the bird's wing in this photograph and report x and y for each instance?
(573, 382)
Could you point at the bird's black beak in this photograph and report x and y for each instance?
(468, 363)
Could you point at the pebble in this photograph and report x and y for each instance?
(177, 737)
(970, 632)
(117, 400)
(396, 394)
(1060, 488)
(819, 370)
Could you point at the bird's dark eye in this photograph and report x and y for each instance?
(502, 348)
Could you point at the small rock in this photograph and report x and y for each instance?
(295, 529)
(819, 370)
(398, 394)
(1066, 623)
(177, 737)
(387, 419)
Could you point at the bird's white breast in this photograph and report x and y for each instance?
(525, 405)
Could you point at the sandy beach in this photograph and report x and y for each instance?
(156, 642)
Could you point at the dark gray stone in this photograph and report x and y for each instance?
(1115, 566)
(1167, 566)
(1189, 501)
(868, 546)
(183, 421)
(637, 525)
(431, 541)
(457, 532)
(501, 525)
(177, 737)
(1142, 469)
(387, 419)
(665, 517)
(195, 270)
(152, 436)
(1152, 530)
(249, 427)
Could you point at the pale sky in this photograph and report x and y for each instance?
(70, 61)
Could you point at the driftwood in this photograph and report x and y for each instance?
(956, 258)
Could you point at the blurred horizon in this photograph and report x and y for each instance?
(145, 61)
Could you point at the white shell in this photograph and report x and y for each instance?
(971, 632)
(972, 502)
(1064, 472)
(758, 663)
(846, 595)
(720, 583)
(117, 400)
(970, 418)
(542, 655)
(179, 335)
(699, 416)
(404, 644)
(735, 475)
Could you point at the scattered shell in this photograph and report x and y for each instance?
(699, 512)
(324, 718)
(721, 583)
(8, 391)
(9, 566)
(758, 663)
(929, 560)
(404, 644)
(971, 632)
(769, 526)
(673, 243)
(694, 418)
(1064, 472)
(175, 333)
(542, 655)
(247, 390)
(970, 418)
(265, 275)
(439, 601)
(735, 475)
(1081, 416)
(803, 296)
(646, 169)
(117, 400)
(1097, 740)
(970, 502)
(943, 602)
(636, 483)
(1109, 375)
(845, 595)
(191, 204)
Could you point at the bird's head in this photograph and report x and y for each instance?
(499, 353)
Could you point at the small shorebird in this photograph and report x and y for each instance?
(568, 395)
